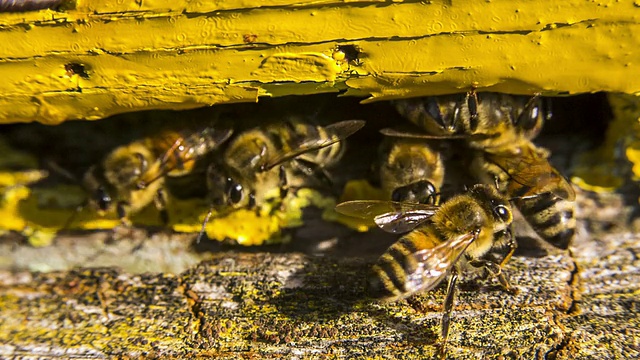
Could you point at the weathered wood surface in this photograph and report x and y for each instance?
(285, 302)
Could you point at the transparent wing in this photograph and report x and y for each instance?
(390, 216)
(413, 135)
(434, 264)
(335, 132)
(195, 144)
(532, 174)
(184, 151)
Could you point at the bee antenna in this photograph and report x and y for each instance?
(495, 180)
(204, 225)
(79, 208)
(61, 171)
(142, 184)
(465, 188)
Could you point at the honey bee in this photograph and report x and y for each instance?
(410, 170)
(468, 234)
(132, 176)
(499, 129)
(544, 197)
(262, 159)
(486, 121)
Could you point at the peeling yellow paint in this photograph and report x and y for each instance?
(98, 58)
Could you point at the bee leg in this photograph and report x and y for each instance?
(495, 270)
(72, 218)
(252, 200)
(314, 170)
(124, 229)
(204, 225)
(283, 185)
(160, 202)
(282, 182)
(511, 244)
(472, 105)
(445, 322)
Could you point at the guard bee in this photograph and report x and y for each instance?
(410, 170)
(263, 159)
(499, 129)
(132, 176)
(469, 233)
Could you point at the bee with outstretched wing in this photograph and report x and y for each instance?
(461, 235)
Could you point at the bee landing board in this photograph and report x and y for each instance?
(66, 63)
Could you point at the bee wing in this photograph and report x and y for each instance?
(186, 149)
(199, 143)
(412, 135)
(433, 265)
(390, 216)
(532, 174)
(335, 133)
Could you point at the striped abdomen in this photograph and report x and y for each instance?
(325, 156)
(389, 275)
(552, 218)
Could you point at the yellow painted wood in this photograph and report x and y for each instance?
(98, 58)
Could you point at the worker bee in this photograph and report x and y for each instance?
(468, 234)
(499, 129)
(132, 176)
(543, 196)
(410, 170)
(485, 120)
(268, 158)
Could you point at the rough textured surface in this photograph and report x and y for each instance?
(92, 59)
(156, 294)
(288, 301)
(273, 305)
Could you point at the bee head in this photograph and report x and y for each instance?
(97, 188)
(225, 190)
(531, 117)
(495, 204)
(125, 166)
(102, 199)
(422, 192)
(445, 112)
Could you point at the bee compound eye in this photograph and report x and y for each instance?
(142, 163)
(431, 189)
(103, 199)
(235, 192)
(535, 112)
(503, 213)
(397, 195)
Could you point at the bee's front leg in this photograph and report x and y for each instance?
(160, 203)
(494, 270)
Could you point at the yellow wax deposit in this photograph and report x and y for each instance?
(355, 190)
